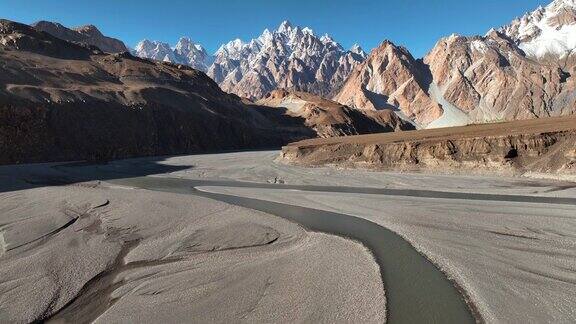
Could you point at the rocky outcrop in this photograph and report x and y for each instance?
(329, 118)
(523, 70)
(390, 78)
(66, 101)
(490, 79)
(546, 145)
(88, 34)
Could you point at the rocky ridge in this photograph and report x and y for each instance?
(466, 80)
(391, 78)
(185, 52)
(67, 101)
(290, 57)
(329, 118)
(87, 34)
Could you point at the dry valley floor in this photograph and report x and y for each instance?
(87, 243)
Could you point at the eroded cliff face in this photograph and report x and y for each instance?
(511, 148)
(391, 78)
(328, 118)
(490, 79)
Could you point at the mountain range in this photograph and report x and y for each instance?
(185, 52)
(521, 70)
(68, 100)
(61, 100)
(57, 82)
(290, 57)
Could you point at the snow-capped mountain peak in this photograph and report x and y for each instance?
(232, 49)
(154, 50)
(308, 31)
(185, 52)
(549, 30)
(142, 45)
(285, 27)
(266, 37)
(356, 49)
(184, 44)
(288, 57)
(326, 39)
(561, 4)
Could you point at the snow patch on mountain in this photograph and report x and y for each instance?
(356, 49)
(452, 116)
(479, 46)
(546, 30)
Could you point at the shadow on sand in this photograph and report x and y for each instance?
(29, 176)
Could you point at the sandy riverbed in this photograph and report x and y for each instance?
(139, 256)
(180, 257)
(516, 261)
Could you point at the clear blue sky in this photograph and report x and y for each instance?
(416, 24)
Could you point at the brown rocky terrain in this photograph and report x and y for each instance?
(391, 78)
(67, 101)
(524, 70)
(87, 34)
(546, 145)
(485, 79)
(491, 79)
(329, 118)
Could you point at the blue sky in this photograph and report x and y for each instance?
(416, 24)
